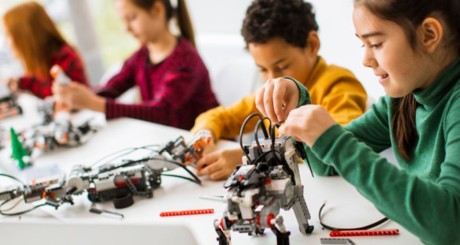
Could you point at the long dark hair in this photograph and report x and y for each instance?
(181, 13)
(409, 14)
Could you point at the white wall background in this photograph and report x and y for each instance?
(218, 22)
(217, 25)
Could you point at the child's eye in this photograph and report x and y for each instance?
(376, 46)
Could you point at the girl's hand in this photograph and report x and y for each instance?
(277, 98)
(307, 123)
(219, 165)
(78, 96)
(13, 84)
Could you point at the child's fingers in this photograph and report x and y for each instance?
(268, 101)
(259, 100)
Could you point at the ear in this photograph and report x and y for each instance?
(431, 33)
(158, 9)
(313, 43)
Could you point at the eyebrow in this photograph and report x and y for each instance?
(368, 35)
(279, 61)
(274, 63)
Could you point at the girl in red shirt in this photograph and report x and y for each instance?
(173, 80)
(37, 43)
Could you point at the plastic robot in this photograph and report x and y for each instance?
(111, 182)
(56, 128)
(267, 181)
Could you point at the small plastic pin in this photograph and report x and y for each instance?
(345, 241)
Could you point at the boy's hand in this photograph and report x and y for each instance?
(277, 98)
(219, 165)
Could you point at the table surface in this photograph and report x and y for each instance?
(345, 206)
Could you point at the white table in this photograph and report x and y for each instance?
(349, 207)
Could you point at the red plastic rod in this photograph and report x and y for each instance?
(387, 232)
(187, 212)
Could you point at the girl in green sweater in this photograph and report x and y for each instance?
(412, 47)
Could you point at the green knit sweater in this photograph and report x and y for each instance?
(423, 194)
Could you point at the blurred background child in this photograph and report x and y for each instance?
(173, 80)
(38, 45)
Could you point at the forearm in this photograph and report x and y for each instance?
(98, 104)
(39, 88)
(427, 209)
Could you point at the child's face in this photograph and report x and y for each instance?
(388, 53)
(277, 58)
(143, 25)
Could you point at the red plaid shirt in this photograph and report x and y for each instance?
(70, 62)
(174, 92)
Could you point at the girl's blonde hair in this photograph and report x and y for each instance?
(35, 37)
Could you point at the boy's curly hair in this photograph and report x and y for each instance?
(291, 20)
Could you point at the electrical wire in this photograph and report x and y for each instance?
(12, 177)
(332, 228)
(243, 127)
(122, 153)
(179, 176)
(18, 213)
(14, 205)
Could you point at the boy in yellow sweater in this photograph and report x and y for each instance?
(282, 37)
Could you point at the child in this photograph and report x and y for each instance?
(412, 47)
(173, 81)
(37, 43)
(282, 45)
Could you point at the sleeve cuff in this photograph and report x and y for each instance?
(304, 96)
(323, 145)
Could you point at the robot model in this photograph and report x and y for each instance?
(118, 185)
(8, 103)
(109, 182)
(267, 181)
(55, 130)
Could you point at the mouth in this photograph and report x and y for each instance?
(382, 77)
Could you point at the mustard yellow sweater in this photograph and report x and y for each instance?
(333, 87)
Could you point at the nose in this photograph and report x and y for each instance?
(127, 27)
(368, 59)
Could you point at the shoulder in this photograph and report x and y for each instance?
(186, 52)
(453, 104)
(66, 52)
(139, 56)
(333, 79)
(337, 74)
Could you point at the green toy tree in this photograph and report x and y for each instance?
(19, 153)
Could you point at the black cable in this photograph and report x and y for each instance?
(179, 176)
(272, 135)
(261, 124)
(243, 127)
(122, 153)
(21, 212)
(332, 228)
(197, 180)
(12, 177)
